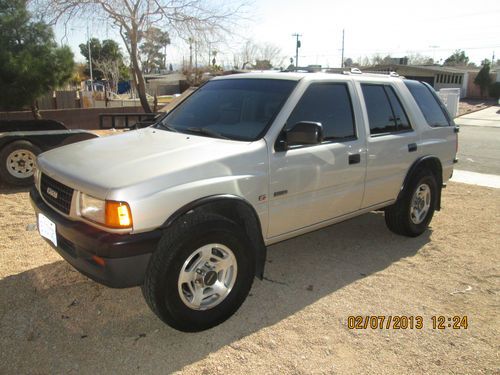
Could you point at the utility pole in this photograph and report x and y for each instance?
(297, 46)
(165, 57)
(90, 60)
(208, 61)
(196, 55)
(493, 59)
(434, 53)
(342, 62)
(190, 53)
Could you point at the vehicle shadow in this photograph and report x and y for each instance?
(53, 316)
(10, 189)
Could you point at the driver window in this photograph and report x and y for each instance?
(329, 104)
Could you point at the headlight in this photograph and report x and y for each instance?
(111, 214)
(92, 208)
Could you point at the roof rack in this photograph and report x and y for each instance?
(351, 71)
(358, 71)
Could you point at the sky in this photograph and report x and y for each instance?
(390, 27)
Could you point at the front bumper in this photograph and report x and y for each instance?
(115, 260)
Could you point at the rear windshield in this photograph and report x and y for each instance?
(431, 107)
(239, 109)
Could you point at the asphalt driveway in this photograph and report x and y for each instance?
(479, 141)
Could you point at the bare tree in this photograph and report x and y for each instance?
(110, 69)
(248, 54)
(418, 59)
(271, 53)
(251, 53)
(185, 18)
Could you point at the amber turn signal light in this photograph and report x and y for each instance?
(118, 215)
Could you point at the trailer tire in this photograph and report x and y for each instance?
(17, 162)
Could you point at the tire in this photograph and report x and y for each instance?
(402, 217)
(17, 162)
(162, 288)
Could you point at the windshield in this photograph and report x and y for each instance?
(239, 109)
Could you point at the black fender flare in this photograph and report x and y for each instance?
(235, 208)
(434, 164)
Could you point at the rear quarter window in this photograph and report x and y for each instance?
(433, 110)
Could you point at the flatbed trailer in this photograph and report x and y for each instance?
(22, 140)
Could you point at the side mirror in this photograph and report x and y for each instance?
(304, 133)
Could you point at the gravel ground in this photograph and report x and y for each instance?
(53, 320)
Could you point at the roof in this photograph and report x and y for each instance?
(296, 76)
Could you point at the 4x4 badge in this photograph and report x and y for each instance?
(52, 193)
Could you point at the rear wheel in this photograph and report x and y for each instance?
(412, 213)
(17, 163)
(200, 274)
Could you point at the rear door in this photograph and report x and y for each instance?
(392, 143)
(438, 132)
(311, 184)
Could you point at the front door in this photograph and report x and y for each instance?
(311, 184)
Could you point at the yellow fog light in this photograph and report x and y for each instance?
(118, 215)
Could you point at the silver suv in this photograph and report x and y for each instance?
(186, 207)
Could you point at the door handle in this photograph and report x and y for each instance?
(354, 159)
(412, 147)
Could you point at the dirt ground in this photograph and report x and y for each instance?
(53, 320)
(473, 105)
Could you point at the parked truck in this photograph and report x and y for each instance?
(186, 208)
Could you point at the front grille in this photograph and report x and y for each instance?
(56, 194)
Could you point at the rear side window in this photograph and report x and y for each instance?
(385, 112)
(402, 121)
(329, 104)
(429, 104)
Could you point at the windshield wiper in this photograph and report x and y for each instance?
(206, 131)
(167, 127)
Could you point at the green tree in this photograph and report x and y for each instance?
(31, 63)
(483, 79)
(458, 58)
(154, 42)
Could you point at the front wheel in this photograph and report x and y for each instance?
(411, 214)
(200, 274)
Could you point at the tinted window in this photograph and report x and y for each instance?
(379, 109)
(402, 122)
(428, 103)
(329, 104)
(240, 109)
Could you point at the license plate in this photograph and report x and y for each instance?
(47, 228)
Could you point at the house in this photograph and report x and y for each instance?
(439, 77)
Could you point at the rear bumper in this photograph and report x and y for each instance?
(115, 260)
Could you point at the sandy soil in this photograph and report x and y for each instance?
(53, 320)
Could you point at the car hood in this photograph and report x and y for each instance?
(144, 161)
